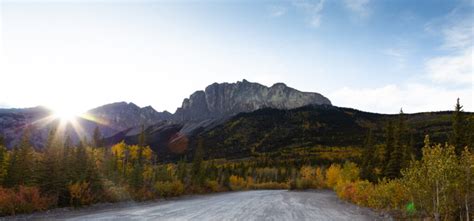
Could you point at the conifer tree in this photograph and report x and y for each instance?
(197, 176)
(142, 137)
(49, 175)
(458, 136)
(136, 179)
(181, 170)
(397, 157)
(369, 158)
(21, 164)
(79, 169)
(389, 144)
(97, 138)
(2, 141)
(3, 160)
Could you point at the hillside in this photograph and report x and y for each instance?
(272, 130)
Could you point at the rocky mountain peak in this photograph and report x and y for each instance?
(123, 115)
(227, 99)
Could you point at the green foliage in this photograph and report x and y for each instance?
(440, 181)
(459, 136)
(197, 170)
(21, 163)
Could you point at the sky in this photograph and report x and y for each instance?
(376, 56)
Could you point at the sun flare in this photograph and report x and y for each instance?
(65, 114)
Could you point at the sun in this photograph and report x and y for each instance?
(65, 114)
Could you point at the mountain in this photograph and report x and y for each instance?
(123, 115)
(110, 119)
(14, 121)
(227, 99)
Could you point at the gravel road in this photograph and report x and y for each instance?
(246, 205)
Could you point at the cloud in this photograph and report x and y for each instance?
(456, 65)
(452, 69)
(359, 7)
(312, 9)
(459, 35)
(277, 11)
(411, 97)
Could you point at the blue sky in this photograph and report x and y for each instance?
(376, 56)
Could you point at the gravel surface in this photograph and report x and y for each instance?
(246, 205)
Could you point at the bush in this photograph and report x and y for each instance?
(357, 192)
(213, 186)
(115, 193)
(80, 194)
(237, 183)
(143, 194)
(270, 186)
(333, 174)
(23, 200)
(169, 189)
(388, 194)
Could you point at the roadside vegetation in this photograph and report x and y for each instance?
(394, 176)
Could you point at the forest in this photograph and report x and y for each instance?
(386, 173)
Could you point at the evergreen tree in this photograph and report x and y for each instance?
(21, 164)
(395, 163)
(398, 155)
(81, 163)
(142, 137)
(2, 141)
(389, 144)
(471, 135)
(97, 138)
(182, 170)
(50, 175)
(197, 172)
(369, 159)
(3, 160)
(67, 159)
(458, 135)
(136, 179)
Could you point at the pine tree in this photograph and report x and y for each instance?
(471, 135)
(369, 158)
(389, 144)
(182, 170)
(458, 136)
(81, 163)
(2, 141)
(3, 160)
(67, 159)
(142, 137)
(97, 138)
(197, 176)
(136, 179)
(21, 164)
(49, 175)
(397, 157)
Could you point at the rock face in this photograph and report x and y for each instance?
(122, 115)
(227, 99)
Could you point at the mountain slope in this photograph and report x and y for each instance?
(272, 130)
